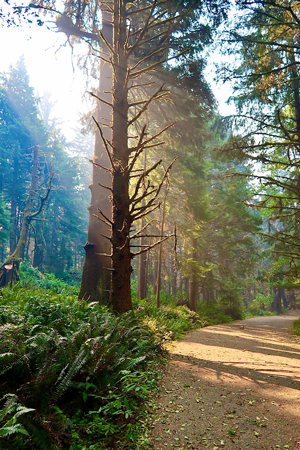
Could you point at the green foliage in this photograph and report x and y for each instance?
(31, 276)
(11, 412)
(76, 375)
(59, 237)
(296, 327)
(261, 305)
(231, 301)
(213, 313)
(4, 222)
(169, 322)
(265, 78)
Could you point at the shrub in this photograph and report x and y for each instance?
(296, 327)
(261, 305)
(32, 277)
(169, 322)
(213, 313)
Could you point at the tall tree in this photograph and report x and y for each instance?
(23, 134)
(21, 130)
(267, 95)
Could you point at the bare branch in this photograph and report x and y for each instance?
(99, 165)
(106, 237)
(141, 230)
(43, 199)
(105, 143)
(139, 216)
(101, 99)
(105, 217)
(142, 177)
(154, 65)
(152, 246)
(143, 30)
(108, 46)
(105, 187)
(156, 96)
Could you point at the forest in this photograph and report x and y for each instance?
(161, 216)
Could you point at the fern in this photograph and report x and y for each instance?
(11, 412)
(65, 358)
(81, 359)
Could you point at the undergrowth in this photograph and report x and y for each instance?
(169, 322)
(67, 284)
(75, 376)
(296, 327)
(72, 375)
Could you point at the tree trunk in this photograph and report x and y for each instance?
(158, 281)
(121, 222)
(193, 280)
(40, 245)
(95, 281)
(142, 286)
(19, 251)
(276, 304)
(13, 205)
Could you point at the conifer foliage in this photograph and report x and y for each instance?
(38, 218)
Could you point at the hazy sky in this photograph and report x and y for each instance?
(52, 68)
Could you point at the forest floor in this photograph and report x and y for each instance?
(234, 386)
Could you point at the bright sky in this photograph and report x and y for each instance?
(52, 68)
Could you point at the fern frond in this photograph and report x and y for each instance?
(81, 359)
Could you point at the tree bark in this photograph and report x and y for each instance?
(121, 222)
(193, 280)
(96, 279)
(13, 205)
(276, 304)
(142, 286)
(19, 251)
(158, 281)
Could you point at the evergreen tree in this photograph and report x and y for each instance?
(267, 93)
(54, 239)
(21, 130)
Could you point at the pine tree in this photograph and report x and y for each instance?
(267, 92)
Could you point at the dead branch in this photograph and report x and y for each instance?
(43, 199)
(101, 100)
(136, 235)
(105, 187)
(150, 247)
(105, 143)
(157, 95)
(139, 216)
(142, 31)
(99, 165)
(142, 177)
(105, 217)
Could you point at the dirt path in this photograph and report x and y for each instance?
(233, 386)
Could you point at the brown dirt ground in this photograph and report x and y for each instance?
(233, 386)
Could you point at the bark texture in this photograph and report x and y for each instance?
(19, 251)
(121, 255)
(95, 281)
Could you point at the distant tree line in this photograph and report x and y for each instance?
(56, 235)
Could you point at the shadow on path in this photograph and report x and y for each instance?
(233, 386)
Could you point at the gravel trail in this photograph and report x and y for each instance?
(234, 386)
